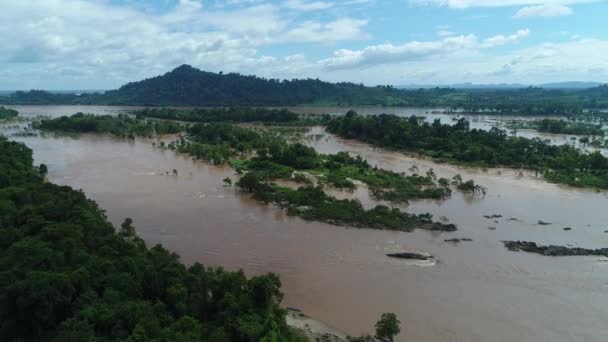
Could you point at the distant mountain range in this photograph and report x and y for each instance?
(188, 86)
(557, 85)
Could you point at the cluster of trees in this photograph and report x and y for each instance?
(38, 97)
(8, 113)
(188, 86)
(312, 203)
(66, 275)
(282, 160)
(561, 127)
(120, 125)
(528, 101)
(218, 142)
(459, 144)
(233, 114)
(277, 159)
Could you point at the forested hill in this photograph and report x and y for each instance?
(188, 86)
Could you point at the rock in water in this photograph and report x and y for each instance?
(410, 255)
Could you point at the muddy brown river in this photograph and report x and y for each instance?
(477, 291)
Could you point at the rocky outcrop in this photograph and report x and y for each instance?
(410, 255)
(458, 240)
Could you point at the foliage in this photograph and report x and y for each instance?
(388, 326)
(561, 127)
(277, 159)
(7, 113)
(120, 125)
(459, 144)
(312, 203)
(233, 114)
(188, 86)
(469, 186)
(43, 169)
(67, 276)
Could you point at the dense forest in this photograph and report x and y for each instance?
(67, 275)
(120, 125)
(234, 114)
(459, 144)
(7, 113)
(560, 127)
(188, 86)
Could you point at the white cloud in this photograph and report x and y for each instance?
(94, 44)
(416, 50)
(303, 5)
(502, 39)
(100, 45)
(341, 29)
(389, 53)
(461, 4)
(546, 10)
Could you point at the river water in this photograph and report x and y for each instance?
(477, 291)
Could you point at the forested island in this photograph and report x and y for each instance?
(68, 275)
(276, 159)
(560, 127)
(261, 115)
(459, 144)
(7, 113)
(120, 125)
(188, 86)
(552, 250)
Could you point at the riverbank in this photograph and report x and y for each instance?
(332, 273)
(313, 329)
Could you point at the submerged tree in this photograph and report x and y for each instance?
(126, 228)
(43, 169)
(388, 326)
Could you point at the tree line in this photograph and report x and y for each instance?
(460, 144)
(266, 116)
(120, 125)
(188, 86)
(8, 113)
(560, 127)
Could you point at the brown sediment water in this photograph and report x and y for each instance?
(477, 291)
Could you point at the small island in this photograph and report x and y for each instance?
(8, 113)
(459, 144)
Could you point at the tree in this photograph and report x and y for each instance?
(127, 229)
(249, 182)
(43, 170)
(388, 326)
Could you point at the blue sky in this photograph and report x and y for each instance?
(101, 44)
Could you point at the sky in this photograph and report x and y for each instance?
(103, 44)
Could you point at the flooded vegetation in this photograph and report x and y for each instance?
(7, 113)
(332, 273)
(459, 144)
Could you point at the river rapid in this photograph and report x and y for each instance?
(477, 291)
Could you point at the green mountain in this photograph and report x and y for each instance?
(188, 86)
